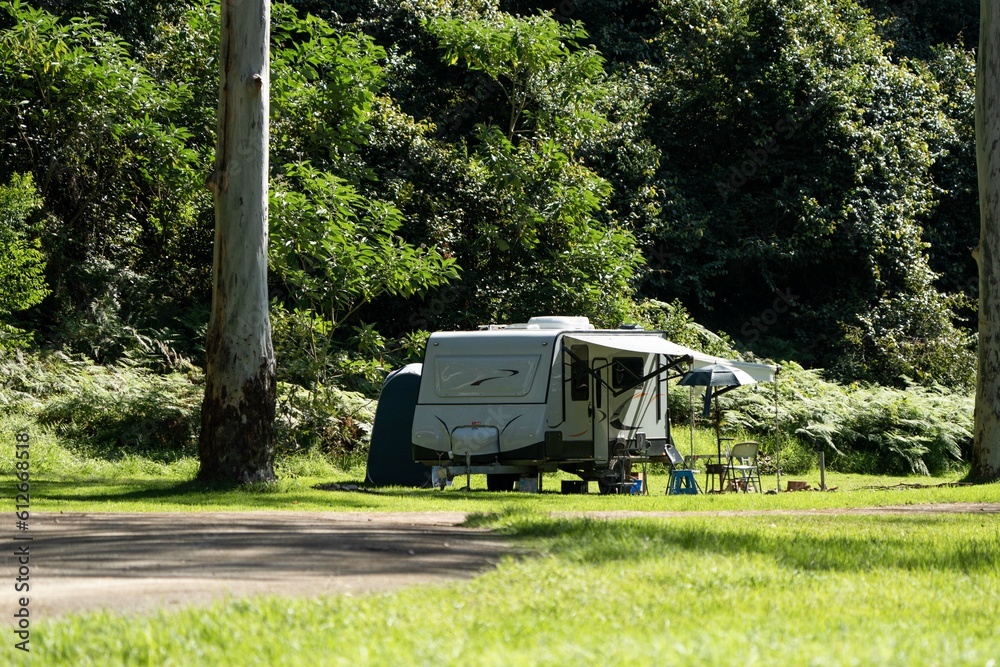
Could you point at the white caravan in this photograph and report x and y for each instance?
(552, 394)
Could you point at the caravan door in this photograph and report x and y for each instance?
(578, 398)
(600, 405)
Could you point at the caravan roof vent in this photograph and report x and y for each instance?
(560, 322)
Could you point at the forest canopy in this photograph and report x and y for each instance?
(796, 174)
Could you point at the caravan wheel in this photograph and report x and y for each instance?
(612, 479)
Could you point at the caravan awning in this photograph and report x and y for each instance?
(654, 344)
(632, 342)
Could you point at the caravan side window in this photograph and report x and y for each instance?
(579, 380)
(481, 376)
(626, 372)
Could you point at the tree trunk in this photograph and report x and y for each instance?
(236, 443)
(986, 444)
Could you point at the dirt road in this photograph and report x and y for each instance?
(142, 562)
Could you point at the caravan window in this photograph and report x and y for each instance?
(506, 375)
(626, 372)
(579, 376)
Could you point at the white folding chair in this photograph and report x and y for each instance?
(741, 470)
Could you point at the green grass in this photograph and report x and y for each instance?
(157, 495)
(844, 590)
(122, 481)
(139, 490)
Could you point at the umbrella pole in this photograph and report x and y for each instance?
(718, 428)
(691, 422)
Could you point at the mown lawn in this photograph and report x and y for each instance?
(144, 493)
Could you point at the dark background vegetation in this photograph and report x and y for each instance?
(798, 176)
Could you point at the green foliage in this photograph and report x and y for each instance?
(134, 21)
(911, 336)
(323, 421)
(90, 125)
(540, 246)
(947, 228)
(323, 85)
(118, 412)
(795, 456)
(108, 411)
(550, 85)
(311, 356)
(334, 249)
(95, 130)
(799, 158)
(186, 50)
(863, 428)
(778, 171)
(913, 29)
(534, 235)
(22, 282)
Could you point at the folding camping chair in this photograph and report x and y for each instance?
(741, 471)
(682, 478)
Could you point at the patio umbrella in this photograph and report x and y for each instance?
(724, 378)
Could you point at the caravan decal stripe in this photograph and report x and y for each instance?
(509, 423)
(511, 372)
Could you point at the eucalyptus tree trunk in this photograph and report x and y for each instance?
(236, 443)
(986, 444)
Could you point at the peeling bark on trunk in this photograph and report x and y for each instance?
(986, 444)
(236, 443)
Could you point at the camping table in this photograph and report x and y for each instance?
(712, 471)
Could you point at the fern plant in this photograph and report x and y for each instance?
(863, 428)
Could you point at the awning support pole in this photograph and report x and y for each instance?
(777, 436)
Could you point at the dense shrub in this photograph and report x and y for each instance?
(22, 283)
(107, 410)
(326, 420)
(795, 457)
(864, 428)
(115, 410)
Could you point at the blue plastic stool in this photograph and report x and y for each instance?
(682, 482)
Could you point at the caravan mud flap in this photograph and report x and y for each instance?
(557, 449)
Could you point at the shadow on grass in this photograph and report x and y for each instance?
(147, 494)
(453, 495)
(189, 493)
(927, 543)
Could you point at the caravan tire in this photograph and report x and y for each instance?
(612, 479)
(501, 481)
